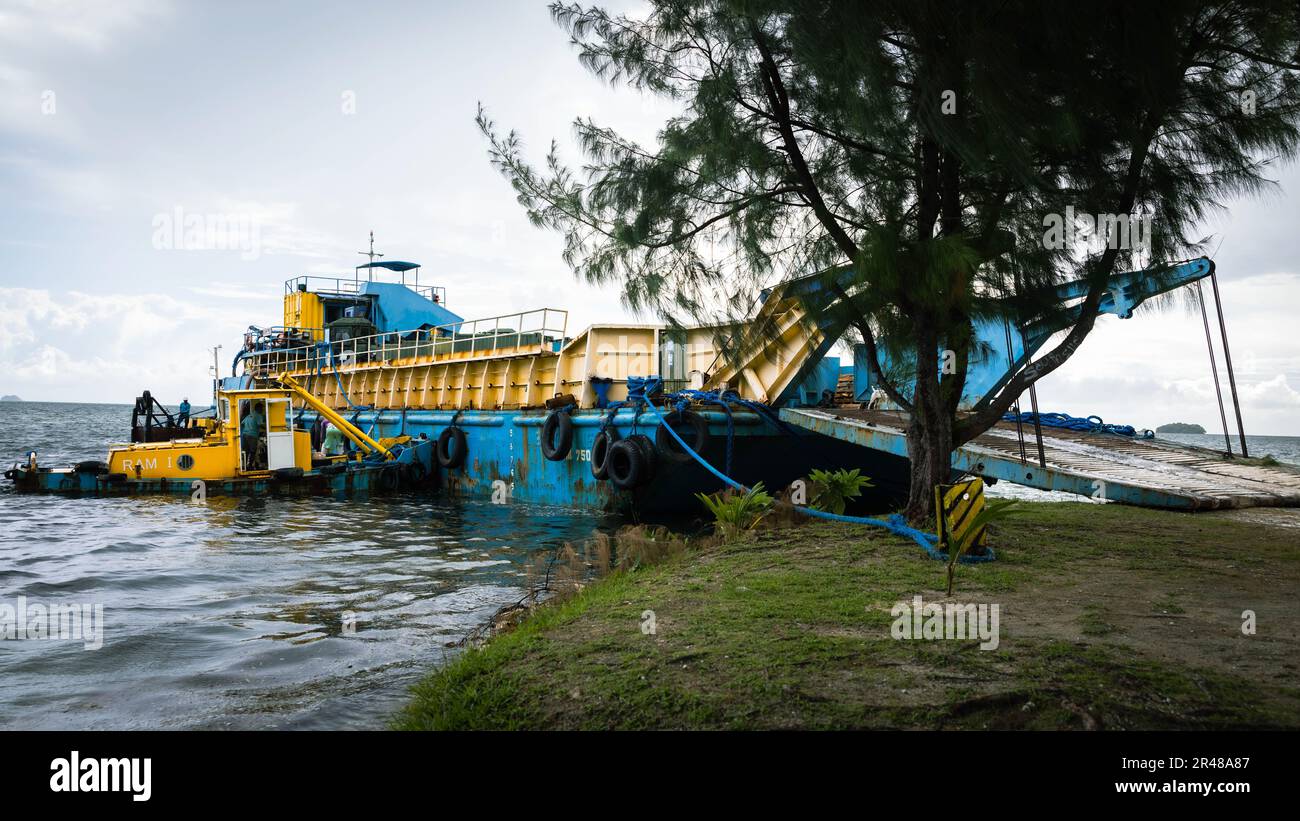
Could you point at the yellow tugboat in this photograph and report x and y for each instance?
(251, 443)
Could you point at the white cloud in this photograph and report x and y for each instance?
(32, 100)
(1274, 394)
(1154, 368)
(91, 25)
(107, 347)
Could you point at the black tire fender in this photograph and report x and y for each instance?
(650, 453)
(626, 464)
(390, 477)
(452, 448)
(605, 440)
(557, 435)
(698, 438)
(92, 467)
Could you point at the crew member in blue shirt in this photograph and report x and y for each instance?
(251, 426)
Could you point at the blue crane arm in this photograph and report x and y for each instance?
(1002, 350)
(1124, 293)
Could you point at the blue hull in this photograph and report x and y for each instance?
(505, 459)
(505, 462)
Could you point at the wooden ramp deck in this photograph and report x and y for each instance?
(1145, 472)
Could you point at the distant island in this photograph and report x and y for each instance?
(1180, 427)
(10, 398)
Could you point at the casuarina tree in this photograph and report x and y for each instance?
(927, 155)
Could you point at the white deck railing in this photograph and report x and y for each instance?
(509, 334)
(313, 283)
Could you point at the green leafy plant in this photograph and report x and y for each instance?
(834, 488)
(735, 512)
(993, 510)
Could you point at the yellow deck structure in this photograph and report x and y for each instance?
(521, 360)
(214, 453)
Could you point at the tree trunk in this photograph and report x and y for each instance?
(929, 446)
(929, 431)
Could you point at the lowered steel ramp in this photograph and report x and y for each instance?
(1144, 472)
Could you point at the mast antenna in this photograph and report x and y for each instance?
(371, 253)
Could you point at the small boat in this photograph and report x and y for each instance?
(207, 454)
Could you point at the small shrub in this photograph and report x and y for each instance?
(834, 489)
(993, 510)
(639, 546)
(735, 512)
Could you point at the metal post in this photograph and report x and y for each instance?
(216, 374)
(1227, 361)
(1020, 431)
(1214, 368)
(1038, 425)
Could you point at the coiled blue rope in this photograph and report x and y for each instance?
(895, 523)
(1087, 424)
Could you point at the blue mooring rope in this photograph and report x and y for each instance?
(1089, 424)
(895, 523)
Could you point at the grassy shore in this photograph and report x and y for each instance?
(1111, 617)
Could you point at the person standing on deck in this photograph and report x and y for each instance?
(183, 418)
(333, 445)
(250, 434)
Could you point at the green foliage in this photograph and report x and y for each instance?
(735, 512)
(912, 152)
(834, 488)
(724, 666)
(923, 142)
(992, 511)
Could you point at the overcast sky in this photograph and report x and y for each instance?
(320, 121)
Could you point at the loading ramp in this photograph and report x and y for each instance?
(1144, 472)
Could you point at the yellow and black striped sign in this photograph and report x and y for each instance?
(956, 509)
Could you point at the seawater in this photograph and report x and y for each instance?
(244, 612)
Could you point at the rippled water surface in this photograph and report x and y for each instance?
(231, 613)
(1282, 448)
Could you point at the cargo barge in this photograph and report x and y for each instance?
(515, 407)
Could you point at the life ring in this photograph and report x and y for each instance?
(452, 455)
(669, 446)
(557, 435)
(600, 448)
